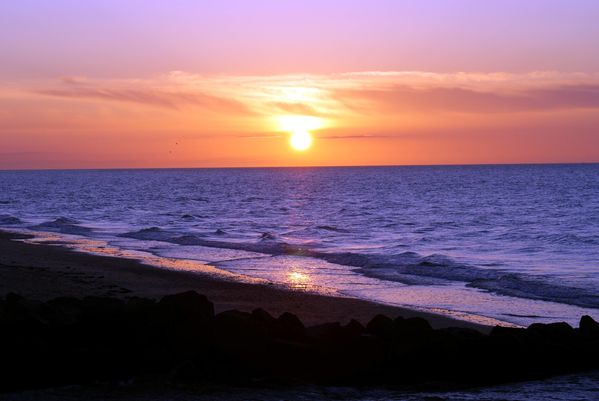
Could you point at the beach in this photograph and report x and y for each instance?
(97, 324)
(44, 272)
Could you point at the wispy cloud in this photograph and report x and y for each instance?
(408, 99)
(143, 92)
(368, 92)
(338, 95)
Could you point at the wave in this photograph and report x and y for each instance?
(63, 225)
(8, 220)
(267, 243)
(406, 267)
(332, 228)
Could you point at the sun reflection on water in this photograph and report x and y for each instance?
(298, 280)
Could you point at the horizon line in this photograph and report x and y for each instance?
(302, 167)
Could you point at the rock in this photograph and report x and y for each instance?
(18, 309)
(380, 325)
(552, 331)
(265, 320)
(137, 304)
(413, 325)
(588, 326)
(63, 311)
(184, 322)
(260, 315)
(70, 341)
(237, 326)
(354, 328)
(188, 304)
(99, 311)
(507, 331)
(326, 332)
(463, 333)
(289, 326)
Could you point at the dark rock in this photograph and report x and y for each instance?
(380, 325)
(326, 332)
(18, 309)
(588, 326)
(70, 341)
(260, 315)
(188, 304)
(507, 331)
(137, 304)
(63, 311)
(183, 323)
(413, 325)
(463, 333)
(237, 326)
(552, 331)
(289, 326)
(354, 328)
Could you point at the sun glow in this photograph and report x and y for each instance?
(300, 127)
(300, 140)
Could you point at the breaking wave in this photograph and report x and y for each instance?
(8, 220)
(404, 267)
(63, 225)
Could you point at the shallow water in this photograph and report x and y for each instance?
(563, 388)
(516, 244)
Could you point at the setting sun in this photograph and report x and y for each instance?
(300, 127)
(300, 140)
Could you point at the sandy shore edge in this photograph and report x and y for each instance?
(40, 271)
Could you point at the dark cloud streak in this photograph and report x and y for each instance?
(404, 98)
(150, 97)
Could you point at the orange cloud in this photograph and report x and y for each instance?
(403, 98)
(181, 119)
(143, 94)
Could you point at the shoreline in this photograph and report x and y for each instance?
(80, 318)
(44, 271)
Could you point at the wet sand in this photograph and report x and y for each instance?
(43, 272)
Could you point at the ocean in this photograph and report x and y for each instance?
(494, 244)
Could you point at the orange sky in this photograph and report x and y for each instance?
(208, 84)
(186, 120)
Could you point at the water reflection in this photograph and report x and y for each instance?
(298, 280)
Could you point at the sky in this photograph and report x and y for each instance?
(223, 83)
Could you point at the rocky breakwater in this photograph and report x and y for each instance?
(180, 338)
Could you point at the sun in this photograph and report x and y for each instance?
(299, 127)
(300, 140)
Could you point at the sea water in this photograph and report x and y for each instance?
(507, 244)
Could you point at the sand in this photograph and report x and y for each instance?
(43, 271)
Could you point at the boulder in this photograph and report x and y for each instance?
(260, 315)
(413, 325)
(326, 332)
(354, 328)
(588, 326)
(236, 326)
(186, 305)
(552, 331)
(63, 311)
(507, 331)
(289, 326)
(380, 325)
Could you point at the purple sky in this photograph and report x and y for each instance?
(184, 83)
(115, 38)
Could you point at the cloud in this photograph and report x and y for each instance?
(341, 95)
(143, 93)
(409, 99)
(365, 136)
(295, 108)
